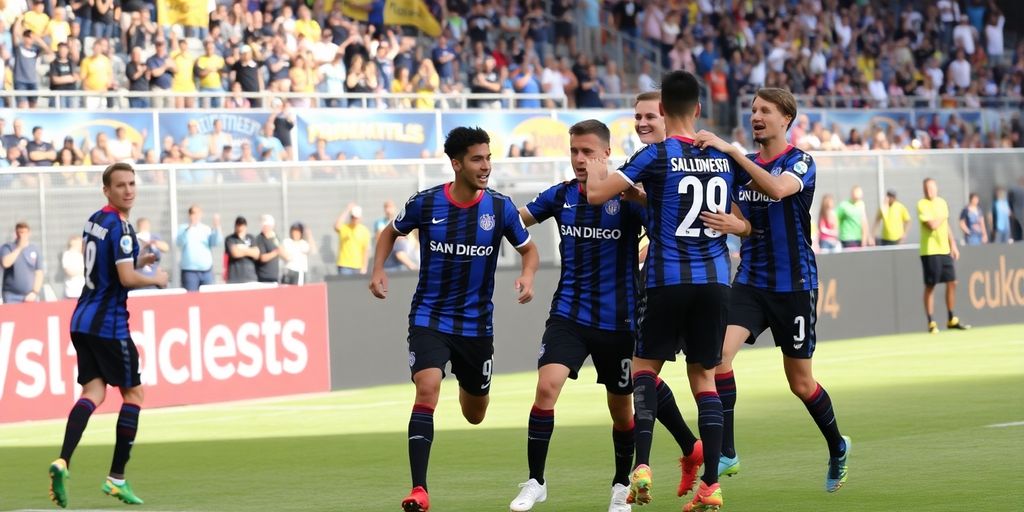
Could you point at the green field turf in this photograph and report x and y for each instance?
(918, 407)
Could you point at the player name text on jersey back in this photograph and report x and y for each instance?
(700, 164)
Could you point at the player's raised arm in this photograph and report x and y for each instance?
(602, 186)
(776, 187)
(528, 219)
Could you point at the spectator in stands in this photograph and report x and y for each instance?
(219, 139)
(524, 81)
(358, 81)
(268, 263)
(122, 149)
(195, 146)
(426, 83)
(243, 253)
(994, 34)
(236, 100)
(22, 263)
(246, 74)
(853, 221)
(184, 73)
(894, 219)
(405, 256)
(97, 73)
(444, 57)
(28, 46)
(141, 32)
(63, 75)
(295, 251)
(72, 262)
(160, 69)
(646, 82)
(100, 154)
(353, 241)
(17, 137)
(389, 215)
(611, 83)
(210, 67)
(828, 226)
(268, 146)
(138, 81)
(40, 152)
(972, 222)
(196, 241)
(105, 14)
(283, 120)
(999, 217)
(279, 64)
(225, 155)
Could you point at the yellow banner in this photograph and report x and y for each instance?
(396, 12)
(190, 13)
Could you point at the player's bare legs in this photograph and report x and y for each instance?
(929, 306)
(428, 386)
(725, 384)
(819, 405)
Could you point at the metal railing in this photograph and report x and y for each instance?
(56, 201)
(744, 102)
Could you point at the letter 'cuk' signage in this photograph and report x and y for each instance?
(194, 348)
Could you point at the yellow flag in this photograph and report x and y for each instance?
(396, 12)
(191, 13)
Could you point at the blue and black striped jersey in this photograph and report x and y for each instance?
(597, 286)
(102, 310)
(681, 181)
(777, 256)
(459, 246)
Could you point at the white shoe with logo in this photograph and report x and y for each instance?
(530, 492)
(619, 494)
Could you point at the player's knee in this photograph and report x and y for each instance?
(803, 388)
(474, 416)
(133, 395)
(547, 393)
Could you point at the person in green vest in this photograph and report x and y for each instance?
(853, 220)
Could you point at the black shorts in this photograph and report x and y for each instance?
(471, 357)
(114, 361)
(938, 268)
(568, 343)
(790, 315)
(686, 317)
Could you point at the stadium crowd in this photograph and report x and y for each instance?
(836, 52)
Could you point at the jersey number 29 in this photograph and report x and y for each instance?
(716, 198)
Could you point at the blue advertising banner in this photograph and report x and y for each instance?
(366, 134)
(512, 133)
(84, 126)
(208, 131)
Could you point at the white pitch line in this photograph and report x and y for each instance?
(1011, 424)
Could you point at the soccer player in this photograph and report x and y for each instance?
(776, 285)
(461, 224)
(938, 252)
(649, 124)
(99, 332)
(591, 313)
(687, 275)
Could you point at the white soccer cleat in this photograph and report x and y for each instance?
(531, 492)
(619, 494)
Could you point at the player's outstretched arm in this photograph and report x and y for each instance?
(385, 244)
(131, 279)
(601, 186)
(528, 218)
(776, 187)
(531, 261)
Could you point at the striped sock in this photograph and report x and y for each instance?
(538, 437)
(421, 436)
(127, 426)
(725, 384)
(669, 415)
(645, 405)
(709, 421)
(820, 407)
(624, 444)
(78, 419)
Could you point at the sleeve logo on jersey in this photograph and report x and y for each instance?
(776, 171)
(612, 207)
(401, 215)
(800, 168)
(486, 222)
(126, 244)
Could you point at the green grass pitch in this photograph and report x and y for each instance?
(919, 408)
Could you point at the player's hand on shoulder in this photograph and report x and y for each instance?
(524, 285)
(379, 284)
(706, 139)
(723, 222)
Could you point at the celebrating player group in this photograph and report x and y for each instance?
(687, 189)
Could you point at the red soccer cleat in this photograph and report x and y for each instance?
(690, 464)
(417, 501)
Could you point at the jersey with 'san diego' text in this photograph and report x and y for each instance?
(777, 255)
(598, 246)
(681, 181)
(102, 309)
(459, 244)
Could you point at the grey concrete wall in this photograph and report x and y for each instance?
(861, 294)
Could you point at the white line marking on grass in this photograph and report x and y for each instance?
(1011, 424)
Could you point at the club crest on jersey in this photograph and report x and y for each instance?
(800, 168)
(612, 207)
(776, 171)
(541, 353)
(126, 244)
(487, 222)
(412, 359)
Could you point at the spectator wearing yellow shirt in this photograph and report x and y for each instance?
(35, 19)
(306, 26)
(97, 73)
(209, 67)
(184, 78)
(938, 252)
(894, 218)
(58, 29)
(353, 242)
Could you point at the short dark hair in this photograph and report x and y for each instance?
(647, 96)
(592, 126)
(37, 128)
(781, 98)
(240, 221)
(460, 139)
(114, 167)
(680, 93)
(21, 225)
